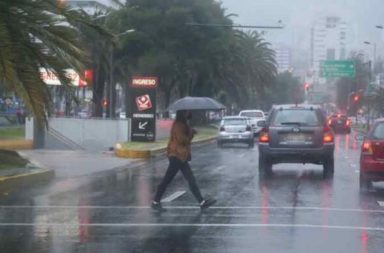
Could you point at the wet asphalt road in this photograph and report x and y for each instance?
(295, 211)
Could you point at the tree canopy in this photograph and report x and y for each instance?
(237, 67)
(34, 35)
(217, 61)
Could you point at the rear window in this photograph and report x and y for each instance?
(378, 132)
(339, 117)
(252, 114)
(235, 122)
(296, 116)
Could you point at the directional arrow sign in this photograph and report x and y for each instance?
(142, 125)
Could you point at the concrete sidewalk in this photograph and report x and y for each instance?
(69, 164)
(77, 163)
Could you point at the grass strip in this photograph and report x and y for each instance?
(11, 160)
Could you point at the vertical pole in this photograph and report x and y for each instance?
(38, 135)
(374, 56)
(111, 82)
(369, 102)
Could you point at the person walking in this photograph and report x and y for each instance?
(179, 155)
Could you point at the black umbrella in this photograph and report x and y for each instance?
(196, 103)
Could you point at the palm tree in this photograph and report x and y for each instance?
(249, 69)
(39, 34)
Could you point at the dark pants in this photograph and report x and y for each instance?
(175, 165)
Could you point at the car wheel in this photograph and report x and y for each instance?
(219, 144)
(348, 131)
(251, 144)
(328, 168)
(365, 184)
(265, 167)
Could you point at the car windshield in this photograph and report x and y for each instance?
(234, 122)
(296, 116)
(378, 132)
(252, 114)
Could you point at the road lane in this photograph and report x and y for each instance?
(295, 211)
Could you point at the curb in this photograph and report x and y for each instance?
(16, 144)
(145, 154)
(127, 153)
(26, 179)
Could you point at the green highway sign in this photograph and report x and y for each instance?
(329, 69)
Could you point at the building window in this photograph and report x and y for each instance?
(331, 54)
(343, 53)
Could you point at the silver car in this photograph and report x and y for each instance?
(235, 129)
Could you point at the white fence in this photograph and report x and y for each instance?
(92, 134)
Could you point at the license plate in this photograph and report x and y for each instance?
(235, 136)
(296, 138)
(339, 122)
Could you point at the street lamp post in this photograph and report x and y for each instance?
(371, 73)
(111, 74)
(374, 51)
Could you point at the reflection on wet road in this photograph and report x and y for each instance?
(295, 211)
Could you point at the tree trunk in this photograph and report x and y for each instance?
(98, 92)
(113, 102)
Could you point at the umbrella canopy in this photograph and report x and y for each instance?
(196, 103)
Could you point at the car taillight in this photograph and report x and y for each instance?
(329, 122)
(222, 129)
(264, 136)
(248, 128)
(366, 148)
(328, 135)
(348, 123)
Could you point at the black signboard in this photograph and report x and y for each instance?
(143, 104)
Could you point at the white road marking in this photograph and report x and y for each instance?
(236, 225)
(357, 171)
(197, 207)
(173, 196)
(218, 169)
(353, 165)
(381, 203)
(242, 155)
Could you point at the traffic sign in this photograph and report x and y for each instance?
(329, 69)
(143, 108)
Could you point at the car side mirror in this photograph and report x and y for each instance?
(262, 123)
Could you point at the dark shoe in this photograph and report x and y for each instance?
(157, 207)
(207, 203)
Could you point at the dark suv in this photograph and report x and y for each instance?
(340, 123)
(296, 134)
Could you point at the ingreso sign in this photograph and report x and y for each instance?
(143, 104)
(329, 69)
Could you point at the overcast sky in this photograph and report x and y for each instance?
(361, 15)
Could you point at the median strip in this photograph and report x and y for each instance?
(148, 149)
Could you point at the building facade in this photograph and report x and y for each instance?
(328, 40)
(283, 56)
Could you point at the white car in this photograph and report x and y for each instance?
(254, 116)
